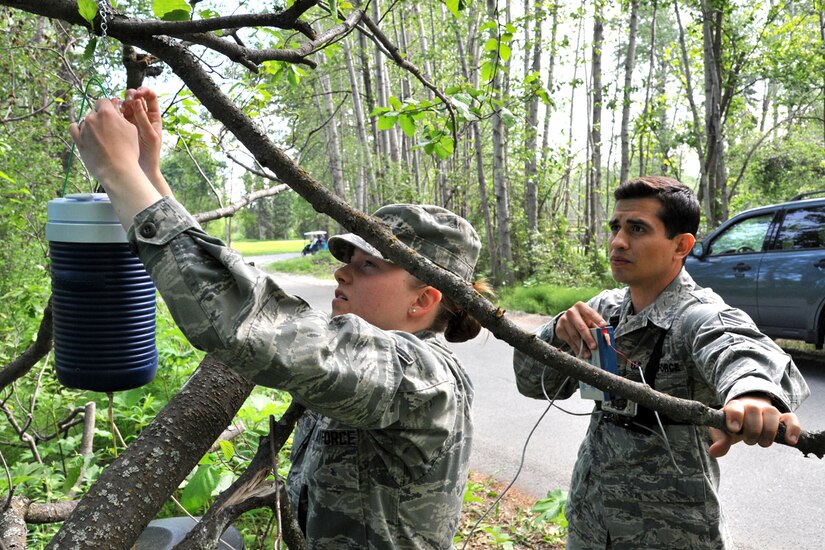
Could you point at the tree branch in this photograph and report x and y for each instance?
(34, 353)
(251, 490)
(245, 201)
(269, 156)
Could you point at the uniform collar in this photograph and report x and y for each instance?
(661, 312)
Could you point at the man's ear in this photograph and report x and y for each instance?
(684, 244)
(428, 300)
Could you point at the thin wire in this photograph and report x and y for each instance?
(521, 462)
(663, 435)
(82, 105)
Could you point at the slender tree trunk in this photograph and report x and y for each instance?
(644, 134)
(500, 185)
(336, 165)
(630, 63)
(531, 134)
(716, 199)
(698, 134)
(366, 153)
(594, 196)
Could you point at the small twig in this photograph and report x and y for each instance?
(274, 455)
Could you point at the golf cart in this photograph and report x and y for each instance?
(317, 240)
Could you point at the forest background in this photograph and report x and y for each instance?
(552, 104)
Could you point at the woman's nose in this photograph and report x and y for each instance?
(342, 273)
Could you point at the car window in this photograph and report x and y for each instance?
(802, 228)
(745, 236)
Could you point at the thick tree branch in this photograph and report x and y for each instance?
(134, 487)
(268, 155)
(33, 354)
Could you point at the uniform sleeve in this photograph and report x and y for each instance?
(530, 372)
(341, 367)
(735, 358)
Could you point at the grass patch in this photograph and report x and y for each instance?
(544, 299)
(260, 248)
(321, 265)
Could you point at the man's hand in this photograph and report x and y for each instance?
(573, 327)
(752, 419)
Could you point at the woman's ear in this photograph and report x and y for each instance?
(428, 300)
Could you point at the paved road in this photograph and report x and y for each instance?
(772, 497)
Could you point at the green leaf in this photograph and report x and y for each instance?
(407, 124)
(385, 122)
(491, 45)
(227, 449)
(6, 176)
(504, 52)
(453, 6)
(508, 118)
(200, 487)
(488, 70)
(87, 9)
(89, 50)
(171, 10)
(395, 102)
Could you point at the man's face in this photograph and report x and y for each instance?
(375, 290)
(641, 254)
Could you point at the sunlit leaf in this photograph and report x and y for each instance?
(87, 9)
(407, 124)
(386, 122)
(171, 10)
(200, 487)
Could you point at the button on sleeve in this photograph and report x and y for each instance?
(148, 230)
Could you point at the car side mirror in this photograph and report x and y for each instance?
(698, 250)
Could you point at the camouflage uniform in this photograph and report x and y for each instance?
(380, 460)
(626, 487)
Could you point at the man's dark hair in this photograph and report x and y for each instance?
(680, 211)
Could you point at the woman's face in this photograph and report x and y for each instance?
(379, 292)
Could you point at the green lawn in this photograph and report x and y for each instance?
(260, 248)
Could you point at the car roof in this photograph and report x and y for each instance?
(793, 203)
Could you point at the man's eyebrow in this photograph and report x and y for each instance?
(630, 221)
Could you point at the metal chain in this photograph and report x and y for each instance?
(104, 24)
(107, 69)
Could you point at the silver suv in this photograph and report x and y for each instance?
(770, 262)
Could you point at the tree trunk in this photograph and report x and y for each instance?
(131, 491)
(644, 134)
(630, 63)
(336, 166)
(716, 191)
(500, 185)
(698, 134)
(366, 154)
(594, 198)
(531, 135)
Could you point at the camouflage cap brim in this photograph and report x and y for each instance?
(341, 247)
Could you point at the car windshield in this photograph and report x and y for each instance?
(746, 236)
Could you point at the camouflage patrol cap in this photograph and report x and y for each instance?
(446, 239)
